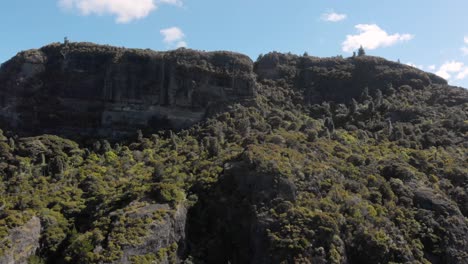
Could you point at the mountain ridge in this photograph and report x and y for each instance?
(84, 88)
(351, 161)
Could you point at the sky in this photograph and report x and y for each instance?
(429, 34)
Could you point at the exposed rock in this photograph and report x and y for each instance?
(88, 89)
(24, 241)
(101, 90)
(165, 236)
(425, 198)
(260, 187)
(228, 225)
(444, 217)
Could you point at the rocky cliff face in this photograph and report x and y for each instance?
(101, 90)
(236, 227)
(165, 238)
(88, 89)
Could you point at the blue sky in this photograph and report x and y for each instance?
(430, 34)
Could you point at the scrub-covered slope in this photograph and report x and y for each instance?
(331, 160)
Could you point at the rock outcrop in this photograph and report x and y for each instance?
(82, 88)
(24, 241)
(165, 238)
(232, 223)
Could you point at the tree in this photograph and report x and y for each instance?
(329, 124)
(361, 52)
(353, 109)
(378, 98)
(365, 94)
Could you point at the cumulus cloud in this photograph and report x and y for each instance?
(432, 67)
(464, 49)
(462, 74)
(173, 37)
(333, 17)
(453, 67)
(414, 65)
(371, 36)
(171, 2)
(181, 44)
(125, 10)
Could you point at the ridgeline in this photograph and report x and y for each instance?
(113, 155)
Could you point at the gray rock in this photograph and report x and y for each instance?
(24, 242)
(426, 198)
(260, 187)
(162, 234)
(90, 89)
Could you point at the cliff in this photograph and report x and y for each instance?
(87, 89)
(83, 88)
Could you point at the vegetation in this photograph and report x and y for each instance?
(361, 51)
(380, 177)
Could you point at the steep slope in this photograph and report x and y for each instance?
(356, 160)
(83, 88)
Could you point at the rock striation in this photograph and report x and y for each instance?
(87, 89)
(108, 91)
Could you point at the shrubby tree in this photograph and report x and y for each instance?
(361, 52)
(365, 94)
(329, 124)
(353, 109)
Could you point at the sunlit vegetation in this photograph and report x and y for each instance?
(379, 178)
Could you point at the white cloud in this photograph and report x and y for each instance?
(181, 44)
(453, 67)
(125, 10)
(444, 75)
(333, 17)
(462, 74)
(464, 50)
(371, 36)
(414, 65)
(172, 34)
(450, 70)
(171, 2)
(174, 37)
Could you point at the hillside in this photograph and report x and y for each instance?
(209, 157)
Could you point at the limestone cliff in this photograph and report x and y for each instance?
(101, 90)
(88, 89)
